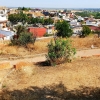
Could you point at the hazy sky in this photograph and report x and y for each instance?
(52, 3)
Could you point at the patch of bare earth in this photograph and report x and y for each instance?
(32, 81)
(81, 72)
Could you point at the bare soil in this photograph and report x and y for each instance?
(82, 73)
(29, 80)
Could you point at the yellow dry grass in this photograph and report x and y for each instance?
(40, 46)
(81, 43)
(5, 65)
(81, 72)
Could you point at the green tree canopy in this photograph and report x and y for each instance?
(20, 17)
(48, 21)
(24, 8)
(97, 15)
(63, 29)
(84, 14)
(86, 31)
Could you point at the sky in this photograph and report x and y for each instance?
(52, 3)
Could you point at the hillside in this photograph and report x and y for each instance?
(29, 80)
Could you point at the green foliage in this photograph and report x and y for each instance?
(88, 14)
(24, 8)
(46, 35)
(86, 31)
(97, 15)
(20, 29)
(24, 39)
(60, 50)
(48, 21)
(84, 14)
(63, 29)
(41, 20)
(20, 17)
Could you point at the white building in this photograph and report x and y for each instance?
(6, 35)
(3, 17)
(93, 23)
(75, 23)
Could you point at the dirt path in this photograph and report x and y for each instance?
(41, 57)
(81, 72)
(88, 53)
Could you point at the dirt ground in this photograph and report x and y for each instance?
(81, 73)
(30, 80)
(40, 46)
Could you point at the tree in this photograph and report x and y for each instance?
(60, 50)
(63, 29)
(20, 29)
(84, 14)
(20, 17)
(97, 15)
(24, 8)
(48, 21)
(86, 31)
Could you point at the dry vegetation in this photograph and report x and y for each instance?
(84, 43)
(79, 80)
(40, 46)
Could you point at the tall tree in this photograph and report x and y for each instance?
(63, 29)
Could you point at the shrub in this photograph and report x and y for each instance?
(24, 39)
(60, 50)
(86, 31)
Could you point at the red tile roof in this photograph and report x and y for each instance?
(2, 36)
(94, 28)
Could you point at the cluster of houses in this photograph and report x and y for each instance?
(5, 32)
(40, 30)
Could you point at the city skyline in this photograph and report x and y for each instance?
(52, 3)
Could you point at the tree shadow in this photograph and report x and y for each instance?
(44, 63)
(54, 92)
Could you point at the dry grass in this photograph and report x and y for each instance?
(40, 46)
(81, 43)
(82, 76)
(82, 72)
(5, 65)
